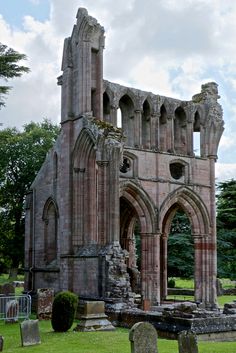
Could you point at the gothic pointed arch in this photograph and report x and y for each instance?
(84, 189)
(193, 206)
(141, 203)
(50, 218)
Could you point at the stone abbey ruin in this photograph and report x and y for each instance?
(101, 181)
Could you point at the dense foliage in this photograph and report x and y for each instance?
(9, 68)
(226, 229)
(180, 247)
(63, 311)
(21, 156)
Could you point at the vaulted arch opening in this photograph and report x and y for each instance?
(180, 131)
(163, 129)
(197, 135)
(106, 107)
(146, 125)
(50, 219)
(186, 201)
(127, 118)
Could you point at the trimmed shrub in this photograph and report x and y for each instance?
(171, 283)
(63, 311)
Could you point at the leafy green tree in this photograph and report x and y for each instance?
(226, 229)
(9, 68)
(180, 247)
(21, 156)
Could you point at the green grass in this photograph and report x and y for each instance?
(93, 342)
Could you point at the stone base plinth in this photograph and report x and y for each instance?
(94, 318)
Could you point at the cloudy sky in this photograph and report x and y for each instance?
(169, 47)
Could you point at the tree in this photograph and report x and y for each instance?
(9, 68)
(180, 247)
(21, 156)
(226, 229)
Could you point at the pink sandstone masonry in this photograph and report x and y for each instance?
(100, 181)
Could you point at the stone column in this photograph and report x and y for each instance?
(170, 133)
(137, 128)
(163, 259)
(102, 201)
(149, 269)
(113, 115)
(155, 130)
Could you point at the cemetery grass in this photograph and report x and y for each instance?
(92, 342)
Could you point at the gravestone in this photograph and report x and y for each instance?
(44, 303)
(143, 338)
(29, 330)
(12, 311)
(1, 343)
(7, 289)
(187, 341)
(93, 318)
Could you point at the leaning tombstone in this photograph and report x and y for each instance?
(29, 330)
(1, 343)
(143, 338)
(8, 289)
(187, 341)
(44, 303)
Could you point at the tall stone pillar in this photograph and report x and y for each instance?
(155, 130)
(137, 128)
(113, 115)
(163, 269)
(150, 269)
(102, 206)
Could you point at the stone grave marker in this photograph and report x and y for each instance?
(143, 338)
(187, 341)
(1, 343)
(93, 318)
(7, 289)
(29, 330)
(44, 303)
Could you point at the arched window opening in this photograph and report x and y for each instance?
(127, 118)
(180, 249)
(119, 118)
(106, 107)
(163, 130)
(180, 131)
(50, 232)
(196, 135)
(146, 125)
(130, 240)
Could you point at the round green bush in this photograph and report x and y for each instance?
(171, 283)
(63, 311)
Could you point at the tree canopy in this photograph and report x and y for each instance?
(226, 229)
(21, 156)
(9, 68)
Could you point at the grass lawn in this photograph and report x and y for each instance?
(92, 342)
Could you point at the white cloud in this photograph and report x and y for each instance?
(168, 47)
(225, 171)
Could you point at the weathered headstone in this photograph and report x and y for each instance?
(143, 338)
(1, 343)
(94, 318)
(12, 311)
(44, 303)
(29, 330)
(7, 289)
(187, 341)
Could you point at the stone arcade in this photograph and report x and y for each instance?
(100, 181)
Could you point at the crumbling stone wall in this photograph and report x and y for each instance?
(100, 179)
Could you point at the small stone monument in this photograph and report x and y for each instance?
(1, 343)
(44, 303)
(29, 330)
(143, 338)
(7, 289)
(187, 341)
(94, 318)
